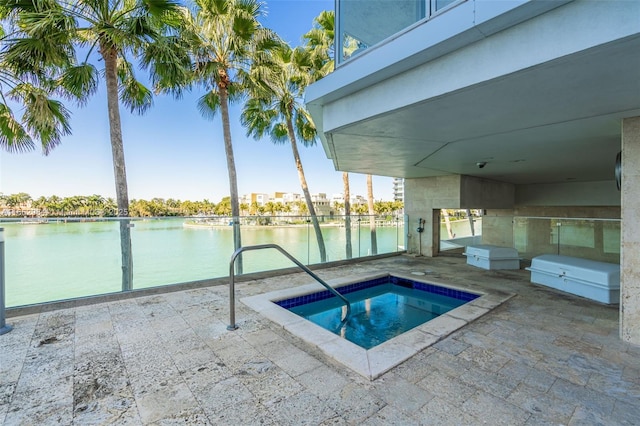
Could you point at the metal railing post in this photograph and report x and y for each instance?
(232, 282)
(4, 327)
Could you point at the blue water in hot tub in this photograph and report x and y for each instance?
(380, 309)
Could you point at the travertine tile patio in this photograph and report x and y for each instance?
(543, 357)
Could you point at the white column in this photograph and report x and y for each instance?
(630, 233)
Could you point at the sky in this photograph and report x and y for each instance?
(173, 152)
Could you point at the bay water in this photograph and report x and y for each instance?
(62, 260)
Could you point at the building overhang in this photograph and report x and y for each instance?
(539, 98)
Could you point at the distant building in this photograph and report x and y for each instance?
(321, 203)
(398, 189)
(255, 197)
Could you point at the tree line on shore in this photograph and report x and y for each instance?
(22, 204)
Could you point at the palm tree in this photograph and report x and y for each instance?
(320, 44)
(95, 203)
(30, 81)
(115, 30)
(372, 216)
(223, 37)
(110, 207)
(301, 207)
(276, 110)
(53, 206)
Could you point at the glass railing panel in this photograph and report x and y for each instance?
(587, 238)
(438, 5)
(55, 259)
(458, 230)
(611, 238)
(389, 235)
(295, 234)
(335, 238)
(596, 239)
(176, 250)
(361, 24)
(58, 259)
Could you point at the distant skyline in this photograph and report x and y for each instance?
(172, 152)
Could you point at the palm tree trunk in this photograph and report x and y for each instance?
(233, 179)
(372, 216)
(347, 214)
(122, 193)
(470, 217)
(447, 223)
(305, 190)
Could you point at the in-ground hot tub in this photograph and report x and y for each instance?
(377, 299)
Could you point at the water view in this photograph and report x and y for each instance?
(61, 260)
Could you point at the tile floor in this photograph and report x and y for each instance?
(543, 357)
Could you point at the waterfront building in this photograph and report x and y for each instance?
(518, 108)
(398, 189)
(321, 204)
(255, 197)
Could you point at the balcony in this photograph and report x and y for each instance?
(364, 24)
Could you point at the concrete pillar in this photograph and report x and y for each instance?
(630, 233)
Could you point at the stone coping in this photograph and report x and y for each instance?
(376, 361)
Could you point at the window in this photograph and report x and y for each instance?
(364, 23)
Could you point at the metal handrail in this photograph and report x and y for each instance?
(232, 297)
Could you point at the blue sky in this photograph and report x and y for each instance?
(172, 152)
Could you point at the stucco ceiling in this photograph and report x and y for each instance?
(556, 122)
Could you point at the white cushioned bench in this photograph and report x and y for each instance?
(486, 256)
(594, 280)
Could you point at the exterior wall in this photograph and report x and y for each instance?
(426, 196)
(630, 259)
(602, 193)
(422, 197)
(483, 193)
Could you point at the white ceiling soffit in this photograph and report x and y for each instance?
(559, 121)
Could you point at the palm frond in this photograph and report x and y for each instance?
(209, 104)
(305, 128)
(34, 56)
(135, 96)
(257, 118)
(160, 7)
(79, 82)
(280, 134)
(47, 119)
(170, 65)
(13, 137)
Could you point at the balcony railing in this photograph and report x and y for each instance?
(588, 238)
(51, 259)
(363, 24)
